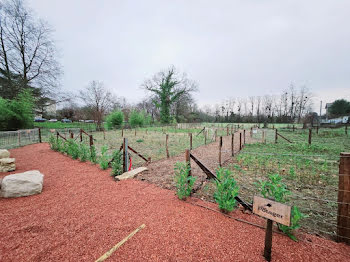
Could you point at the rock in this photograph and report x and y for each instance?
(130, 174)
(22, 184)
(7, 164)
(4, 153)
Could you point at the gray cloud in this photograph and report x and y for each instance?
(231, 48)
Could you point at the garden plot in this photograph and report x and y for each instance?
(310, 172)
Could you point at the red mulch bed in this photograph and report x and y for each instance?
(82, 213)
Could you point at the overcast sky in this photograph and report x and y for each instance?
(230, 48)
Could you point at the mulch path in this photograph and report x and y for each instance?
(82, 212)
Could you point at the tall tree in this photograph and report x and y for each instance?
(340, 107)
(168, 86)
(28, 57)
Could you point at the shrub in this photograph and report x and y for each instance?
(117, 163)
(184, 182)
(136, 118)
(139, 140)
(17, 113)
(114, 119)
(93, 156)
(53, 143)
(103, 159)
(83, 152)
(72, 149)
(226, 190)
(276, 189)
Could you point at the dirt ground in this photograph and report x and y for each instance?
(161, 172)
(82, 213)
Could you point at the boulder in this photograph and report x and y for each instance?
(7, 164)
(22, 184)
(4, 153)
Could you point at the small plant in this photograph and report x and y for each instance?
(139, 140)
(83, 152)
(276, 189)
(226, 190)
(53, 143)
(93, 157)
(73, 149)
(296, 217)
(117, 163)
(103, 159)
(184, 182)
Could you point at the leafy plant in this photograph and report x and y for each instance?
(117, 163)
(226, 190)
(72, 149)
(103, 159)
(184, 182)
(295, 219)
(139, 140)
(276, 189)
(93, 155)
(83, 152)
(53, 143)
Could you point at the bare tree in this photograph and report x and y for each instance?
(98, 98)
(27, 51)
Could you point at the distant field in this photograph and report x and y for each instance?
(60, 125)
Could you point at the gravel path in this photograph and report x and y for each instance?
(82, 213)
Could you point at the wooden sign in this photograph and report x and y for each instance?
(272, 210)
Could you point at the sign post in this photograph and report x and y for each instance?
(273, 211)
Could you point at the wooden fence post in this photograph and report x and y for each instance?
(216, 133)
(220, 147)
(91, 140)
(188, 160)
(240, 140)
(81, 135)
(39, 133)
(316, 129)
(263, 137)
(190, 134)
(310, 136)
(227, 131)
(232, 144)
(343, 220)
(125, 155)
(166, 143)
(251, 132)
(276, 135)
(205, 137)
(243, 136)
(71, 135)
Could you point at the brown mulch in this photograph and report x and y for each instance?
(82, 213)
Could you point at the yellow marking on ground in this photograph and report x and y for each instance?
(113, 249)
